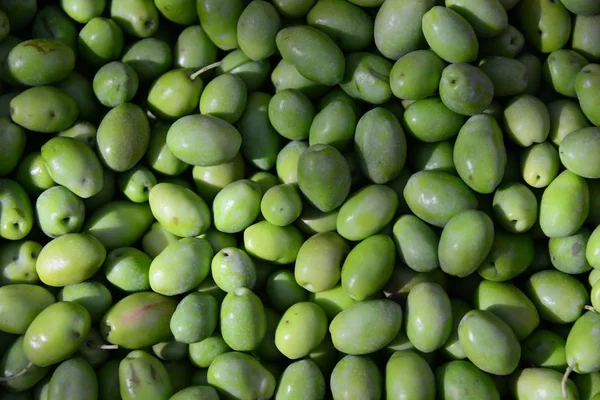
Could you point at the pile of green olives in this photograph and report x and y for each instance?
(299, 199)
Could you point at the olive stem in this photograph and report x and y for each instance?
(102, 346)
(18, 374)
(590, 308)
(204, 69)
(563, 382)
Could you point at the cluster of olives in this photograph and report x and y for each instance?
(299, 199)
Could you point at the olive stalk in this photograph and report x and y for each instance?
(563, 382)
(102, 346)
(18, 374)
(204, 69)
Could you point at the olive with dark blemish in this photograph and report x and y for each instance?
(40, 61)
